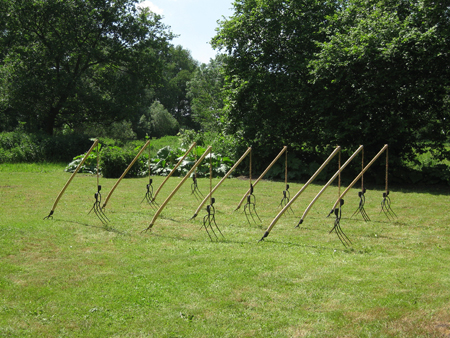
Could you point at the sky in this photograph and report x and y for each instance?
(194, 21)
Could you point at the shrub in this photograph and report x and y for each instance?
(115, 160)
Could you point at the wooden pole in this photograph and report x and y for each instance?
(71, 177)
(220, 182)
(313, 177)
(125, 172)
(358, 177)
(173, 170)
(261, 176)
(177, 187)
(329, 182)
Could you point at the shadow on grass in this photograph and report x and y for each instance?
(105, 227)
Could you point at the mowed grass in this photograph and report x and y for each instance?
(72, 276)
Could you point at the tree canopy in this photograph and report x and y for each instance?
(316, 73)
(70, 61)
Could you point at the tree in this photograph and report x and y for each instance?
(70, 61)
(270, 44)
(314, 74)
(157, 122)
(383, 76)
(205, 90)
(172, 93)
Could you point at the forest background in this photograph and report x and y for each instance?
(307, 74)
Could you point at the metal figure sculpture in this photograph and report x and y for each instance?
(313, 177)
(386, 202)
(305, 213)
(97, 207)
(286, 193)
(210, 218)
(50, 215)
(250, 206)
(362, 198)
(176, 189)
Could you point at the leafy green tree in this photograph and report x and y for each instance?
(157, 122)
(70, 61)
(383, 76)
(205, 91)
(270, 44)
(172, 93)
(313, 74)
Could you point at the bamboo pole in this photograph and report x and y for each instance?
(313, 177)
(329, 182)
(177, 187)
(358, 177)
(261, 176)
(125, 172)
(173, 170)
(71, 177)
(221, 181)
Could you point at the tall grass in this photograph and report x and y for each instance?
(72, 276)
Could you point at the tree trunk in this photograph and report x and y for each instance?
(49, 121)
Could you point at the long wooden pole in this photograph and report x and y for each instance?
(358, 177)
(71, 177)
(125, 172)
(177, 187)
(173, 170)
(313, 177)
(261, 176)
(221, 181)
(329, 182)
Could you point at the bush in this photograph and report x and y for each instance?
(115, 160)
(19, 146)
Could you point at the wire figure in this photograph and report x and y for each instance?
(362, 198)
(338, 213)
(386, 202)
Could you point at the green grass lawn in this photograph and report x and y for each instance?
(72, 276)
